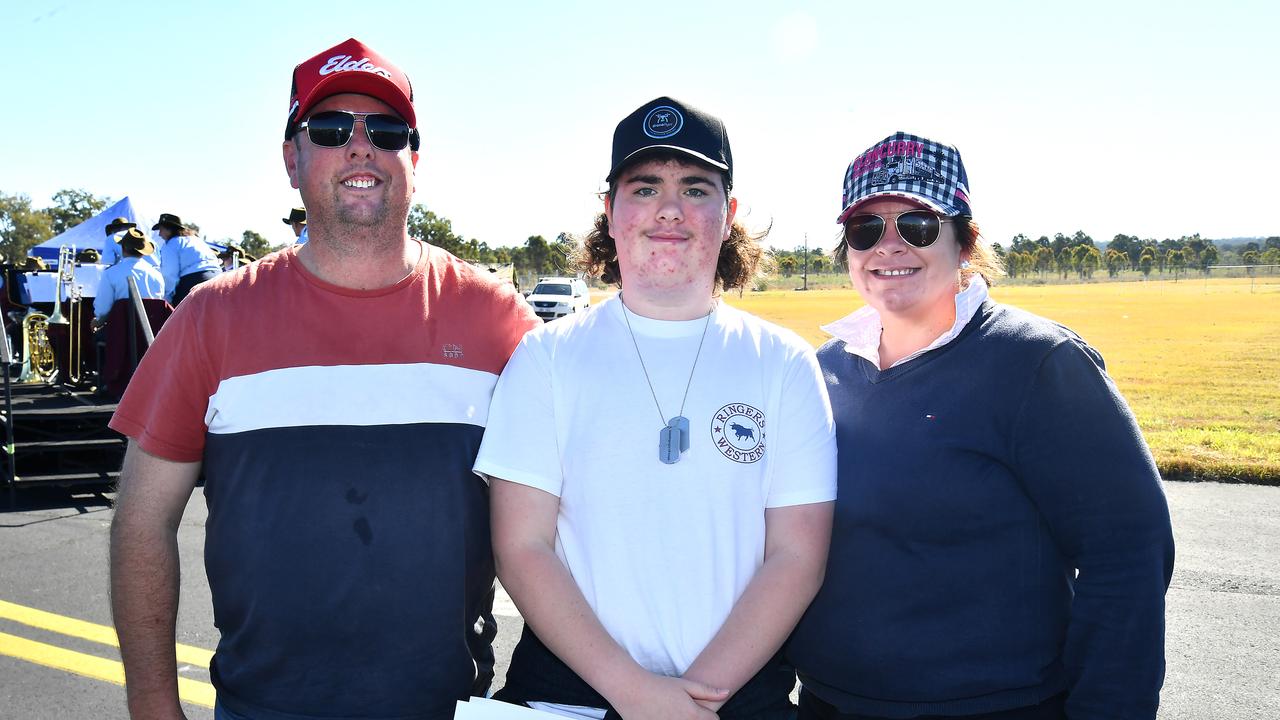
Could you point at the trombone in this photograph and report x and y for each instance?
(73, 318)
(66, 276)
(75, 343)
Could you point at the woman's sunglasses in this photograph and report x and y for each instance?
(333, 129)
(917, 228)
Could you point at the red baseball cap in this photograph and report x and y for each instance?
(349, 67)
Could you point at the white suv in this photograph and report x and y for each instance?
(556, 297)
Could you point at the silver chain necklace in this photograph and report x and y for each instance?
(673, 439)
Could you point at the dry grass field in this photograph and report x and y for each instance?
(1199, 361)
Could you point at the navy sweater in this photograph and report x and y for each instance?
(975, 482)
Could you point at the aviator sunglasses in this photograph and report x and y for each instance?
(333, 129)
(917, 228)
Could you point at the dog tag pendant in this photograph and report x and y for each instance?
(681, 423)
(669, 445)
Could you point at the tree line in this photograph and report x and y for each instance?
(23, 226)
(791, 262)
(1078, 255)
(1065, 255)
(537, 256)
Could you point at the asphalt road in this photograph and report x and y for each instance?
(1223, 608)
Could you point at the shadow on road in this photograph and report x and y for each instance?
(80, 500)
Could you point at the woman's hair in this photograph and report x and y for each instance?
(982, 259)
(740, 255)
(189, 231)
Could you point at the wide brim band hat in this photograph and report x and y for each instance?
(296, 215)
(135, 240)
(119, 224)
(169, 220)
(912, 167)
(349, 67)
(668, 124)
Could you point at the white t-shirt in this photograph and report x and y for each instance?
(662, 552)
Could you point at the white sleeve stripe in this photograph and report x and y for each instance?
(519, 477)
(802, 497)
(392, 394)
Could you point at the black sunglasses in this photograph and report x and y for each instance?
(917, 228)
(333, 129)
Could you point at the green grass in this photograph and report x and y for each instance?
(1198, 360)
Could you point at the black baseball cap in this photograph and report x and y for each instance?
(668, 124)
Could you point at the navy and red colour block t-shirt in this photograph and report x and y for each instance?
(347, 543)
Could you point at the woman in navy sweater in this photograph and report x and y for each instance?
(1002, 544)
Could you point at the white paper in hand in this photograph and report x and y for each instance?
(485, 709)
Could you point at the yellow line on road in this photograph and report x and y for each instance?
(187, 654)
(91, 666)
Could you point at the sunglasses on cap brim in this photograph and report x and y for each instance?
(334, 128)
(917, 228)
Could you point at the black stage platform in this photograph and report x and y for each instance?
(60, 437)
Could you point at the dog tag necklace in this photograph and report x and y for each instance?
(673, 439)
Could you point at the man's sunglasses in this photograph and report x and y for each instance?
(333, 129)
(917, 228)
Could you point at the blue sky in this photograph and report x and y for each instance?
(1151, 119)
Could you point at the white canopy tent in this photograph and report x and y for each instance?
(91, 233)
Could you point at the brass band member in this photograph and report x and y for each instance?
(185, 259)
(134, 247)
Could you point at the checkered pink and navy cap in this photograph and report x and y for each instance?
(910, 166)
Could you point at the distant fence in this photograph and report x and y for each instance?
(1264, 274)
(1230, 271)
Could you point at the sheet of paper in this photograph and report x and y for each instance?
(485, 709)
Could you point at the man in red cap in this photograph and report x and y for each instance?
(347, 543)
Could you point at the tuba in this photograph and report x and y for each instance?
(38, 363)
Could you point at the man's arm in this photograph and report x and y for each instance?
(99, 302)
(152, 495)
(795, 561)
(103, 301)
(524, 532)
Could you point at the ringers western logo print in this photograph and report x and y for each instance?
(737, 429)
